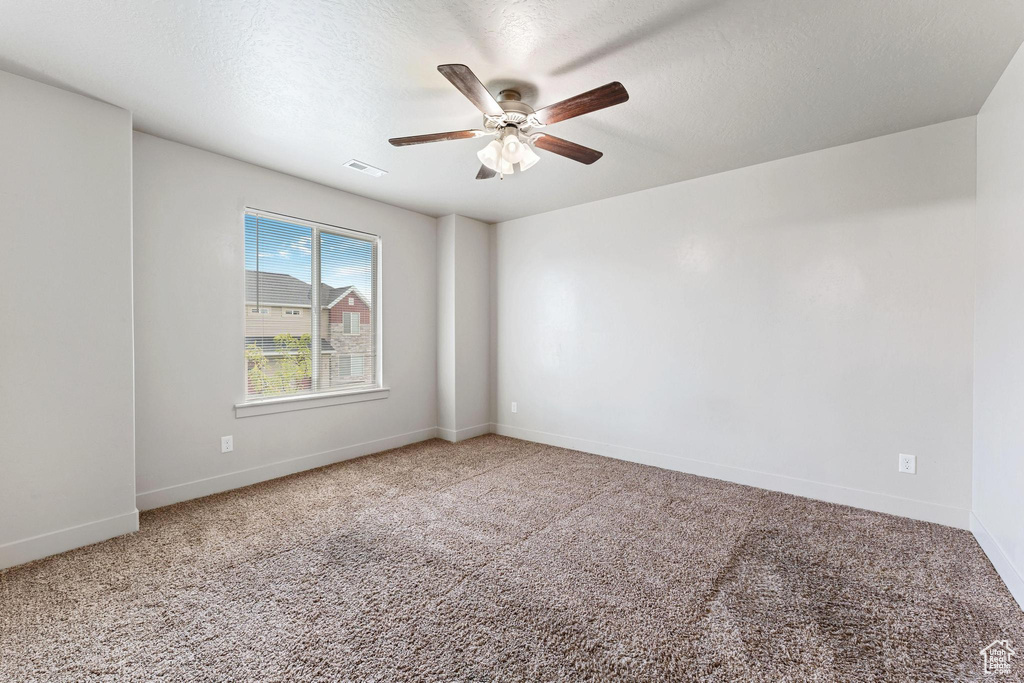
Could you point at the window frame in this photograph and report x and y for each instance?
(264, 405)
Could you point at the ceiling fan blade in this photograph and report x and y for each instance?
(437, 137)
(463, 78)
(571, 150)
(484, 173)
(592, 100)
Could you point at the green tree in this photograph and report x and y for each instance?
(292, 371)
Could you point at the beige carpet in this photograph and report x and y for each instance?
(498, 559)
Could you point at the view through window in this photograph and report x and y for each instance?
(301, 338)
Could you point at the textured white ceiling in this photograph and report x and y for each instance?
(303, 85)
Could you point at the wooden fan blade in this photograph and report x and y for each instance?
(463, 78)
(592, 100)
(484, 173)
(571, 150)
(437, 137)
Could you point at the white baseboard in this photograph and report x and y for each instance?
(472, 432)
(169, 495)
(1004, 567)
(830, 493)
(465, 433)
(44, 545)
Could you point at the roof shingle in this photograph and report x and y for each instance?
(279, 289)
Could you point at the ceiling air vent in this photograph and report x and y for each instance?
(364, 168)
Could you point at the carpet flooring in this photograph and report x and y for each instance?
(498, 559)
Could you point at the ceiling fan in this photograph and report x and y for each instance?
(516, 126)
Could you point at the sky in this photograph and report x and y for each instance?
(273, 246)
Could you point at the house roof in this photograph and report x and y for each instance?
(285, 290)
(338, 293)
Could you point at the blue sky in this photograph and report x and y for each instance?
(280, 247)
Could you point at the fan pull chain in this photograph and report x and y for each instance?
(501, 160)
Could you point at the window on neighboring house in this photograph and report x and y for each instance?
(350, 366)
(350, 321)
(295, 264)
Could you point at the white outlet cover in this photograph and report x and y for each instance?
(227, 444)
(908, 463)
(515, 407)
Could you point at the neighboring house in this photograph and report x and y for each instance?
(276, 304)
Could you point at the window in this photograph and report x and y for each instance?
(350, 321)
(351, 367)
(294, 264)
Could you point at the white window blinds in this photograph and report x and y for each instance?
(310, 307)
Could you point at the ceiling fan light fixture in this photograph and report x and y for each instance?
(509, 119)
(512, 146)
(529, 158)
(490, 154)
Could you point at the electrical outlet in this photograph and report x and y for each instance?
(908, 463)
(515, 407)
(227, 444)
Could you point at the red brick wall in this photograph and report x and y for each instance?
(337, 313)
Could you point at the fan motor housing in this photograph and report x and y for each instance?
(515, 109)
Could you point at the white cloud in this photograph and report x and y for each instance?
(350, 274)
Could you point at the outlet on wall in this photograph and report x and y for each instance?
(515, 407)
(227, 444)
(908, 463)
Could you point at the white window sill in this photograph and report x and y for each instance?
(286, 404)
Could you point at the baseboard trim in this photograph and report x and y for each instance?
(465, 433)
(830, 493)
(1003, 566)
(37, 547)
(178, 493)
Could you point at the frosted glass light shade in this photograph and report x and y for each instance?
(529, 158)
(513, 148)
(490, 154)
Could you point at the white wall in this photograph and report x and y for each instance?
(446, 327)
(794, 325)
(464, 310)
(188, 332)
(998, 519)
(66, 444)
